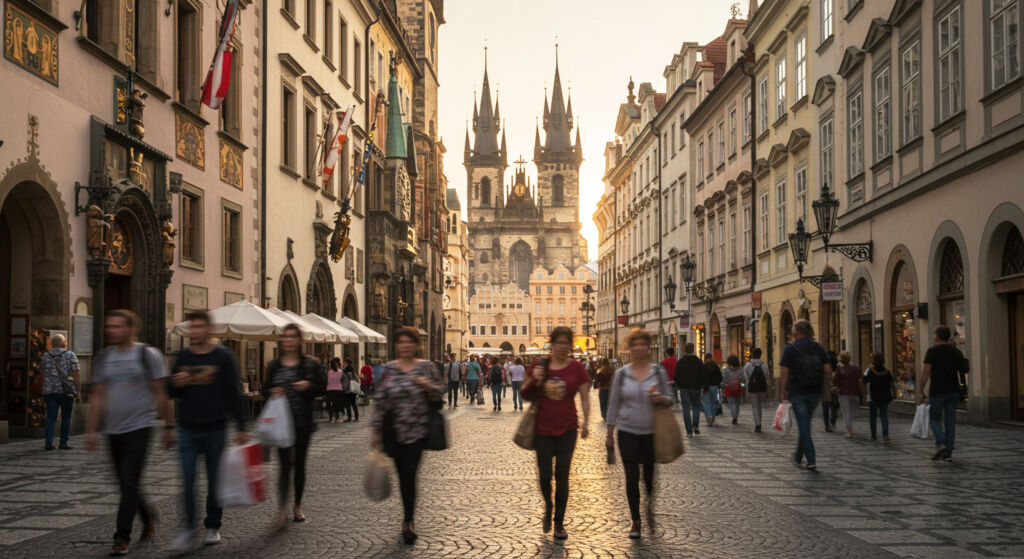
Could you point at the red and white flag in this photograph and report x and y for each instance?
(215, 88)
(337, 140)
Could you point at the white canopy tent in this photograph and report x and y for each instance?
(310, 332)
(243, 321)
(345, 335)
(366, 334)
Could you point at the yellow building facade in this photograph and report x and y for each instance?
(558, 297)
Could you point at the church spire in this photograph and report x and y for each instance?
(467, 142)
(557, 123)
(395, 139)
(485, 124)
(536, 142)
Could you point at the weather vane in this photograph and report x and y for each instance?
(734, 10)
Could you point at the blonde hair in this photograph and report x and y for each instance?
(638, 334)
(845, 357)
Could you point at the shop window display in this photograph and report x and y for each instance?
(904, 295)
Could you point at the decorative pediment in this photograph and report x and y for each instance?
(761, 167)
(901, 10)
(673, 252)
(698, 210)
(731, 187)
(744, 177)
(290, 64)
(852, 58)
(878, 32)
(798, 139)
(718, 197)
(777, 155)
(823, 89)
(778, 42)
(798, 17)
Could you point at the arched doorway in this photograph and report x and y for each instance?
(350, 309)
(520, 264)
(1011, 284)
(505, 346)
(715, 339)
(522, 349)
(902, 300)
(320, 299)
(864, 303)
(952, 306)
(288, 293)
(785, 326)
(134, 272)
(34, 290)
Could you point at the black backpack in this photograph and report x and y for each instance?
(495, 374)
(758, 382)
(809, 371)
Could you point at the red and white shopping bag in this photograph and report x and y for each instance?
(242, 478)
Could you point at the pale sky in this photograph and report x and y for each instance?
(601, 44)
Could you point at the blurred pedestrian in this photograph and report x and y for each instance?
(297, 377)
(407, 390)
(350, 404)
(62, 383)
(947, 369)
(335, 395)
(690, 378)
(516, 374)
(830, 397)
(127, 392)
(879, 381)
(366, 379)
(759, 377)
(473, 374)
(603, 383)
(637, 389)
(803, 368)
(453, 375)
(712, 382)
(553, 384)
(669, 364)
(495, 379)
(733, 383)
(847, 381)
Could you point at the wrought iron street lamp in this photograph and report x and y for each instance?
(799, 245)
(624, 305)
(826, 212)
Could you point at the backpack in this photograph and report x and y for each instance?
(758, 381)
(809, 371)
(457, 369)
(495, 375)
(734, 386)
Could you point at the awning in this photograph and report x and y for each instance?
(241, 320)
(310, 332)
(366, 334)
(345, 335)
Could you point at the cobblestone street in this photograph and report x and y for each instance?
(732, 495)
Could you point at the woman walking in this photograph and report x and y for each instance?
(515, 377)
(879, 381)
(408, 388)
(732, 383)
(603, 384)
(847, 381)
(335, 391)
(636, 390)
(496, 380)
(712, 380)
(553, 384)
(473, 373)
(299, 378)
(350, 395)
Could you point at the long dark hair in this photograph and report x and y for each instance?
(335, 364)
(290, 327)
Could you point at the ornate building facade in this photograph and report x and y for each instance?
(516, 227)
(456, 280)
(499, 320)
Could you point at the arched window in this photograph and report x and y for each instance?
(952, 306)
(557, 190)
(484, 258)
(485, 191)
(1013, 253)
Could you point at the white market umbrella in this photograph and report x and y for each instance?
(310, 332)
(241, 320)
(366, 334)
(345, 335)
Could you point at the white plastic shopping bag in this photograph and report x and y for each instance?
(919, 429)
(274, 427)
(241, 479)
(782, 417)
(377, 477)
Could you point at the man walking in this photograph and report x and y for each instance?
(453, 374)
(473, 374)
(61, 385)
(669, 363)
(712, 387)
(943, 365)
(803, 368)
(758, 377)
(205, 383)
(689, 377)
(127, 391)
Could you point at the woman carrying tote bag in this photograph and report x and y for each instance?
(637, 390)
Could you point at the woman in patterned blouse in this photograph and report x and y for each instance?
(403, 397)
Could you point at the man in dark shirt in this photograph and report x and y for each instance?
(803, 359)
(690, 380)
(943, 365)
(206, 386)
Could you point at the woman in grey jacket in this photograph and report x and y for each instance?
(636, 390)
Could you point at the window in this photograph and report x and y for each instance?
(746, 234)
(800, 191)
(342, 48)
(311, 20)
(721, 143)
(289, 6)
(549, 307)
(732, 131)
(682, 131)
(721, 246)
(472, 329)
(309, 171)
(762, 90)
(700, 162)
(1005, 42)
(682, 201)
(288, 127)
(494, 330)
(537, 291)
(550, 291)
(522, 330)
(780, 88)
(732, 240)
(800, 49)
(826, 19)
(712, 268)
(573, 290)
(232, 238)
(856, 133)
(536, 327)
(561, 290)
(950, 101)
(380, 70)
(911, 63)
(572, 325)
(328, 30)
(711, 151)
(746, 117)
(764, 220)
(780, 212)
(188, 52)
(549, 327)
(827, 161)
(229, 115)
(673, 140)
(191, 225)
(357, 64)
(700, 254)
(882, 124)
(504, 329)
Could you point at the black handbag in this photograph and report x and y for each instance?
(437, 430)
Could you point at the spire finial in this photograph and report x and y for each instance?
(485, 54)
(556, 51)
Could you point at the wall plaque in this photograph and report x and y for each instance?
(194, 297)
(81, 329)
(189, 143)
(231, 297)
(30, 43)
(230, 164)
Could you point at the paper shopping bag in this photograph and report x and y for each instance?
(241, 478)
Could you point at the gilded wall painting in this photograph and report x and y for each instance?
(189, 143)
(230, 164)
(29, 43)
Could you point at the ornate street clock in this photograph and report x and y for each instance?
(519, 190)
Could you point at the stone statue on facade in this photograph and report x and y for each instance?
(136, 104)
(168, 249)
(98, 238)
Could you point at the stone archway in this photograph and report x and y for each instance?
(320, 297)
(288, 298)
(140, 245)
(350, 309)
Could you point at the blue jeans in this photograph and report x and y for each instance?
(711, 402)
(517, 399)
(943, 404)
(192, 444)
(64, 404)
(496, 394)
(734, 405)
(472, 386)
(803, 409)
(876, 409)
(602, 399)
(691, 408)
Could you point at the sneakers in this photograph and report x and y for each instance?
(940, 452)
(120, 548)
(212, 537)
(49, 447)
(735, 420)
(757, 429)
(560, 533)
(65, 447)
(185, 541)
(696, 431)
(947, 458)
(634, 530)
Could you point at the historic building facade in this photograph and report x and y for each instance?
(515, 227)
(456, 279)
(499, 320)
(558, 298)
(118, 189)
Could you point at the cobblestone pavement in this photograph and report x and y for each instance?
(732, 495)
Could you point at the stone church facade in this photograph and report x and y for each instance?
(516, 225)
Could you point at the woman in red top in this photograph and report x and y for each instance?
(553, 385)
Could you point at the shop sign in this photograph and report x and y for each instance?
(684, 321)
(755, 300)
(832, 291)
(623, 320)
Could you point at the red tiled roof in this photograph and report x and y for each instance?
(659, 101)
(717, 53)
